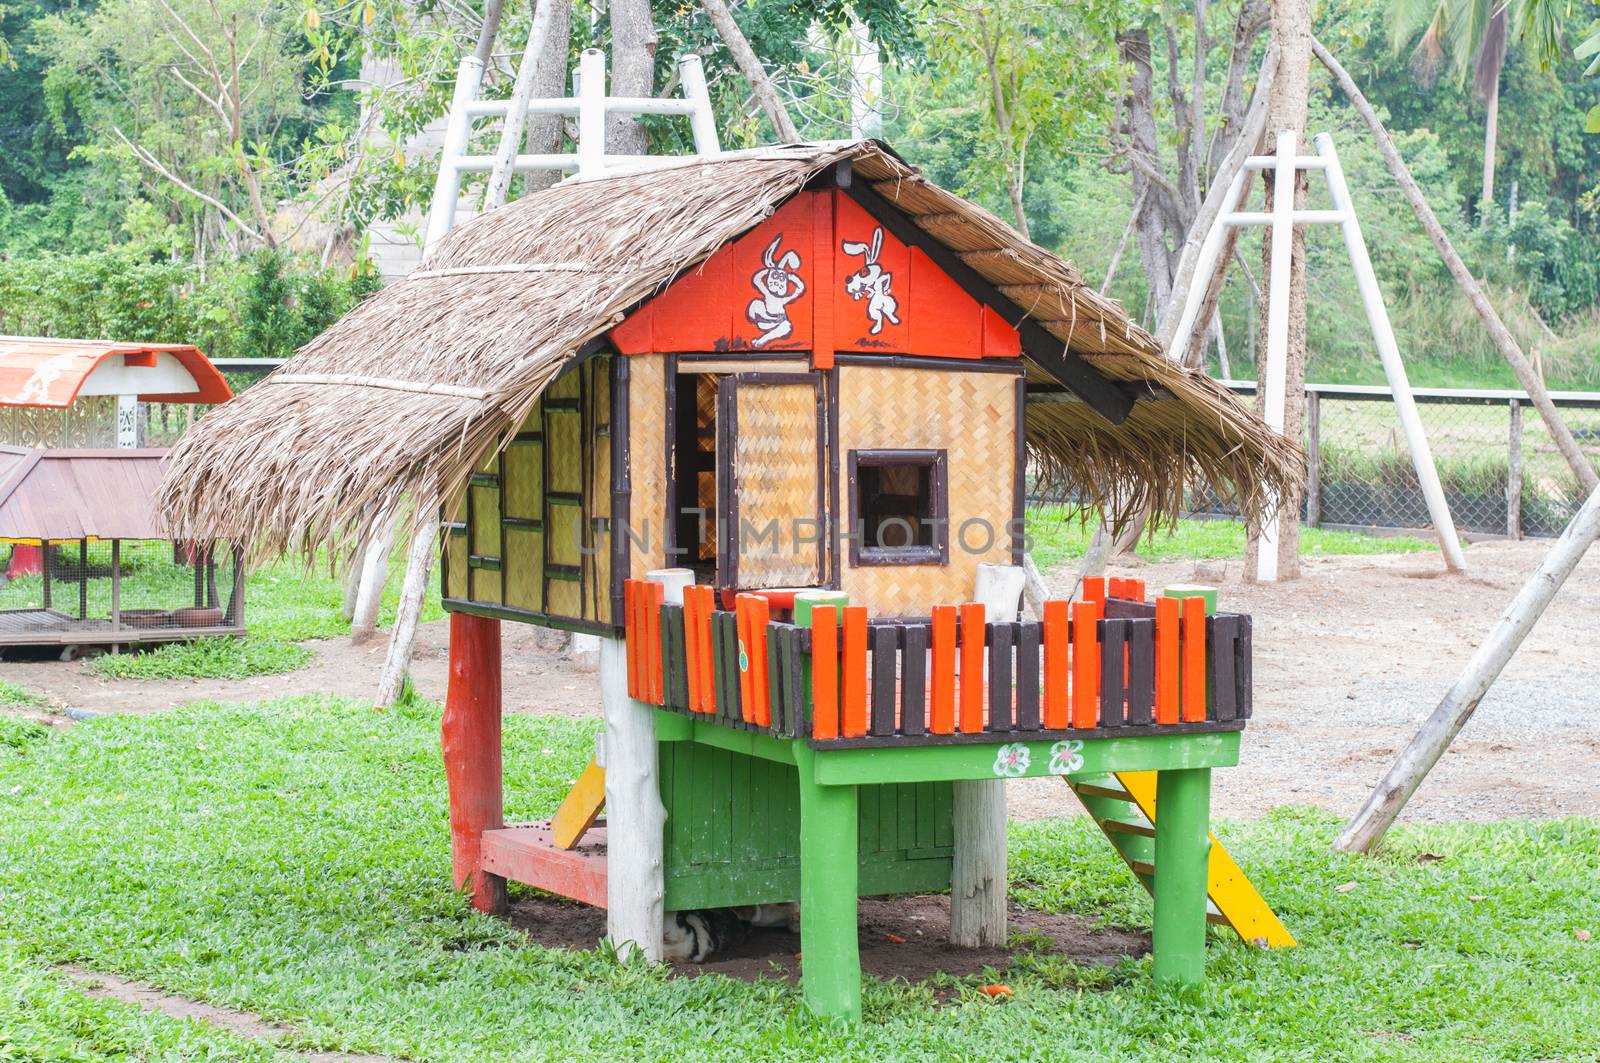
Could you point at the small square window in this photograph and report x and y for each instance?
(898, 508)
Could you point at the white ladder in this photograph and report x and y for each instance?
(591, 105)
(1282, 219)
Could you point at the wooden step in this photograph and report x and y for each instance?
(1122, 826)
(1089, 789)
(1140, 867)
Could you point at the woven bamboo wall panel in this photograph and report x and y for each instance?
(597, 602)
(486, 586)
(523, 569)
(564, 533)
(565, 386)
(970, 415)
(455, 565)
(775, 455)
(564, 442)
(564, 598)
(485, 530)
(647, 505)
(523, 492)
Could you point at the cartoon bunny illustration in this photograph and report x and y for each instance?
(779, 286)
(872, 281)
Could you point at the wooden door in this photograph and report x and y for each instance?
(770, 480)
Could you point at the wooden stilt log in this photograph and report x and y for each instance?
(369, 591)
(470, 735)
(635, 817)
(398, 662)
(978, 873)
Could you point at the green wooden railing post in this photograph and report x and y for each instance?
(1182, 849)
(829, 880)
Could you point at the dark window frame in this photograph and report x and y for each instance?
(938, 463)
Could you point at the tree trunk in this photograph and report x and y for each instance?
(1491, 133)
(545, 131)
(1253, 18)
(761, 86)
(633, 61)
(512, 132)
(1158, 215)
(1368, 826)
(1526, 376)
(1014, 194)
(1286, 110)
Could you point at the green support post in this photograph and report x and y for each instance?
(1182, 850)
(830, 955)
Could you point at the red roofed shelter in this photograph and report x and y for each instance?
(66, 392)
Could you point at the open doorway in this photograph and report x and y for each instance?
(694, 483)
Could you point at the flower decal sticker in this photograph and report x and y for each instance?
(1066, 757)
(1011, 760)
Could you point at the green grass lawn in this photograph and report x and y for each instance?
(292, 858)
(1060, 535)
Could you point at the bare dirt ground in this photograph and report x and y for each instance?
(902, 937)
(1349, 660)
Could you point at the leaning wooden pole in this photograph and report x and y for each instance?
(419, 564)
(1469, 285)
(1418, 758)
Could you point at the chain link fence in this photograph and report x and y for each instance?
(1500, 471)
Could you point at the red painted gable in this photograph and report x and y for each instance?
(822, 274)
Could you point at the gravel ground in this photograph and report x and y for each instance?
(1353, 656)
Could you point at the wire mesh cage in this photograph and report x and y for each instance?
(120, 592)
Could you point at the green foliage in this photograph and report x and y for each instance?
(1061, 535)
(262, 306)
(18, 736)
(293, 859)
(283, 309)
(210, 658)
(11, 694)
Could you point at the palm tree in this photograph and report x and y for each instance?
(1472, 35)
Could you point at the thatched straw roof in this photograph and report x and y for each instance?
(402, 395)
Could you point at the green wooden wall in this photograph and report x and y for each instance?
(733, 831)
(528, 536)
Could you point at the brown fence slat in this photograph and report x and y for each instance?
(1123, 609)
(1028, 638)
(913, 679)
(885, 646)
(725, 639)
(1224, 694)
(1244, 669)
(1141, 670)
(775, 683)
(677, 674)
(1000, 642)
(798, 719)
(1113, 654)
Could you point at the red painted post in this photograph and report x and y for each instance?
(470, 734)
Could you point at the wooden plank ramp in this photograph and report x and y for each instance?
(1124, 805)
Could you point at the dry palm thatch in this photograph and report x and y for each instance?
(403, 395)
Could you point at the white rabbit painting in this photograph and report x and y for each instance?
(779, 285)
(871, 282)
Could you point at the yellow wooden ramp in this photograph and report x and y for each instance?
(1124, 804)
(580, 808)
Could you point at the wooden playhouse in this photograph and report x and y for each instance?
(767, 423)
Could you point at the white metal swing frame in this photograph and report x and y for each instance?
(1285, 164)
